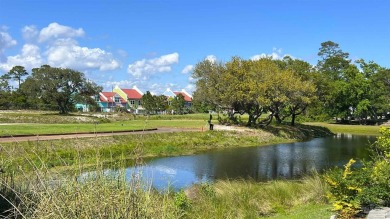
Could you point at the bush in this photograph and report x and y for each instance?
(364, 188)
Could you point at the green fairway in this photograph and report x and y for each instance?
(350, 129)
(40, 129)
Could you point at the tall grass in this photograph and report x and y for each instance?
(35, 190)
(33, 186)
(249, 199)
(98, 196)
(49, 195)
(45, 192)
(66, 152)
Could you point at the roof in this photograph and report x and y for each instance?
(132, 93)
(169, 93)
(187, 97)
(109, 97)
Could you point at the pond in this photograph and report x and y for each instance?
(279, 161)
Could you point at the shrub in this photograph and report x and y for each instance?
(367, 187)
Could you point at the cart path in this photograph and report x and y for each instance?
(92, 135)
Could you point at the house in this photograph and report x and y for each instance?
(172, 94)
(130, 99)
(187, 97)
(82, 107)
(133, 98)
(108, 101)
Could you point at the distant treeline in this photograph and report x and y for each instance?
(335, 88)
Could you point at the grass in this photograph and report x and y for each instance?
(50, 194)
(307, 211)
(49, 117)
(42, 189)
(40, 123)
(58, 153)
(47, 195)
(41, 129)
(52, 123)
(249, 199)
(350, 129)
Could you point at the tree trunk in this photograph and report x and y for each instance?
(250, 120)
(278, 119)
(293, 119)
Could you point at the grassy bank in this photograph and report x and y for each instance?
(246, 199)
(47, 195)
(44, 191)
(349, 129)
(57, 153)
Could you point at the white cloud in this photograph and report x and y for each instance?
(6, 40)
(263, 55)
(187, 69)
(109, 85)
(30, 33)
(30, 57)
(211, 58)
(122, 53)
(190, 88)
(68, 54)
(147, 67)
(191, 79)
(276, 54)
(57, 31)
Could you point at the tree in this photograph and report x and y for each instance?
(302, 89)
(379, 96)
(333, 60)
(255, 87)
(4, 85)
(60, 86)
(240, 94)
(178, 103)
(331, 82)
(208, 82)
(17, 72)
(148, 102)
(4, 92)
(161, 103)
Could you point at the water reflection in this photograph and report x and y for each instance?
(259, 163)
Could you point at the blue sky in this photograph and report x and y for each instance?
(154, 44)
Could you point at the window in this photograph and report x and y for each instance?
(139, 102)
(132, 102)
(97, 98)
(117, 100)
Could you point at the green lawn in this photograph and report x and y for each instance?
(42, 122)
(40, 129)
(350, 129)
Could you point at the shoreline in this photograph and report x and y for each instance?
(65, 153)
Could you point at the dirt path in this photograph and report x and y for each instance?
(90, 135)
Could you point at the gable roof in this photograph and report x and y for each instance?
(169, 93)
(109, 97)
(187, 96)
(133, 93)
